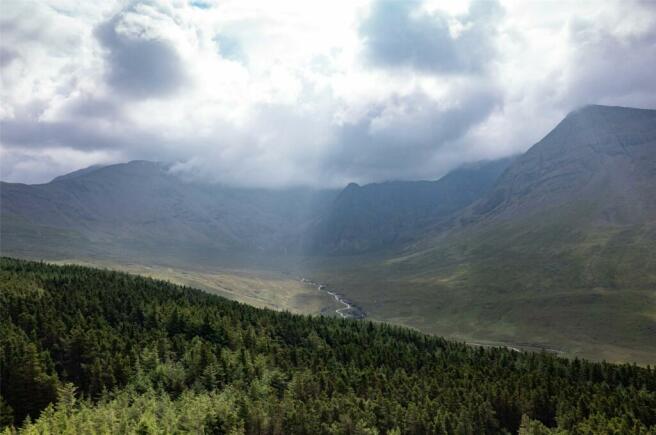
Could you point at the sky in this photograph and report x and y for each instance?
(314, 93)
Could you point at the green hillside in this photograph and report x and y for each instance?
(93, 351)
(387, 215)
(587, 293)
(560, 254)
(142, 209)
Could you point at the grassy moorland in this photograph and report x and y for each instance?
(259, 288)
(587, 293)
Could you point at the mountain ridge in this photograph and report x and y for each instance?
(387, 215)
(561, 253)
(143, 202)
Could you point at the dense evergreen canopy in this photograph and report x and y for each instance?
(88, 350)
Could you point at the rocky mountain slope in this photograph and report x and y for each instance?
(142, 209)
(559, 254)
(600, 153)
(387, 215)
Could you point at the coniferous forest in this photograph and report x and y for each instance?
(93, 351)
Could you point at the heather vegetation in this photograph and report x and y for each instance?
(86, 350)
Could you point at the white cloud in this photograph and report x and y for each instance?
(279, 93)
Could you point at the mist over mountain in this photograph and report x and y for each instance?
(142, 206)
(597, 165)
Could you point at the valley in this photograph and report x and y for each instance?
(552, 250)
(381, 217)
(262, 289)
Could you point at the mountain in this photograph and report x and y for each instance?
(77, 173)
(140, 208)
(95, 351)
(384, 215)
(597, 153)
(560, 254)
(557, 251)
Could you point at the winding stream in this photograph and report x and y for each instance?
(348, 311)
(339, 299)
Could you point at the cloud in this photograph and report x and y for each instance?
(304, 93)
(411, 135)
(609, 65)
(7, 56)
(39, 166)
(139, 63)
(402, 34)
(78, 136)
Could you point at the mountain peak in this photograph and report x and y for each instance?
(590, 108)
(603, 127)
(134, 167)
(599, 150)
(614, 112)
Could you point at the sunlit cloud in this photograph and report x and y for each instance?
(306, 93)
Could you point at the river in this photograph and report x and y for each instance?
(348, 310)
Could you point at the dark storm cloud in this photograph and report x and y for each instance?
(138, 66)
(400, 34)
